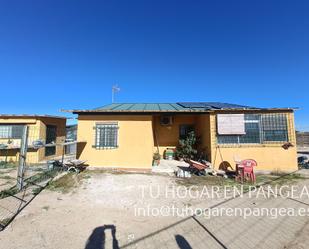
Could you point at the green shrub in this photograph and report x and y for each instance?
(187, 147)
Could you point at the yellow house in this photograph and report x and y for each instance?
(126, 135)
(46, 128)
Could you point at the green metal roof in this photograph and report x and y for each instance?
(142, 107)
(202, 107)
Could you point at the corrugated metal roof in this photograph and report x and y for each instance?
(176, 107)
(142, 107)
(183, 107)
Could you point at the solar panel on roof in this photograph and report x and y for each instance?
(194, 104)
(211, 105)
(190, 104)
(225, 105)
(177, 106)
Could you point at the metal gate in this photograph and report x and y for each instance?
(22, 177)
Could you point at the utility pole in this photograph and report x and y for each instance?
(115, 89)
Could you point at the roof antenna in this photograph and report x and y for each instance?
(115, 89)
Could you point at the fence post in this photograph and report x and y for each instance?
(22, 158)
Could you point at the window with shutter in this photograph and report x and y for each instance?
(260, 128)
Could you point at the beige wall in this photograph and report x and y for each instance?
(204, 131)
(139, 137)
(270, 157)
(135, 142)
(168, 136)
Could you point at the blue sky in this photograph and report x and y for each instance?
(68, 54)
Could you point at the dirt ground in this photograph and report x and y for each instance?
(95, 203)
(57, 220)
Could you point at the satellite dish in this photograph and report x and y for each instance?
(38, 144)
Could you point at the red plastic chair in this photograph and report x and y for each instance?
(245, 170)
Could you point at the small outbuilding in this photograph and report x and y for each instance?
(45, 128)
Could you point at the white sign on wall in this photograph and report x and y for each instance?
(231, 124)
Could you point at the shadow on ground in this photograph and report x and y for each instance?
(97, 238)
(182, 242)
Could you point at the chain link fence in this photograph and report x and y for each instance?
(28, 161)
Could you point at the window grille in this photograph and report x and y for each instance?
(106, 136)
(11, 131)
(275, 127)
(260, 128)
